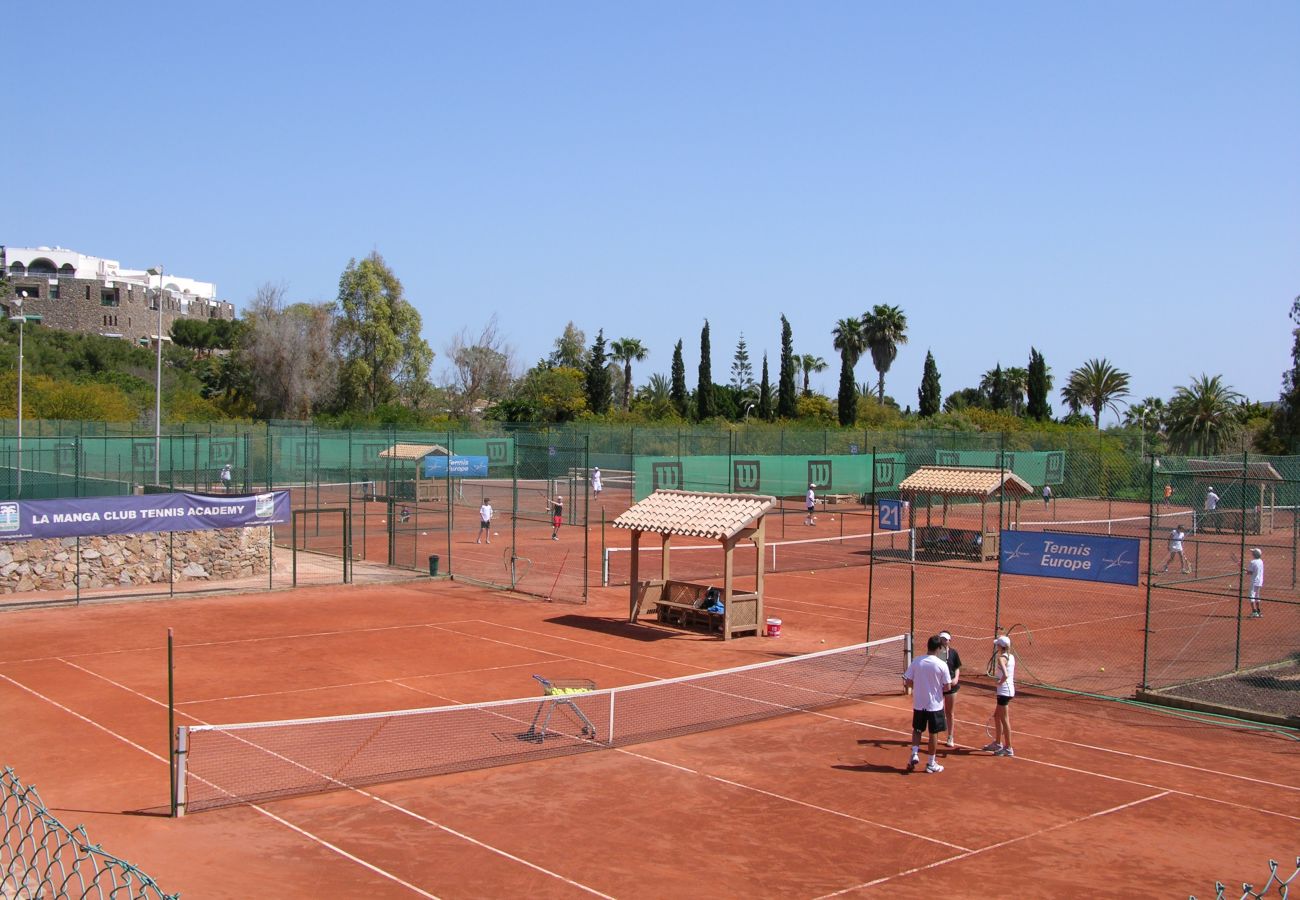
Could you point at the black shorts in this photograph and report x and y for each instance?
(1004, 701)
(933, 720)
(483, 524)
(954, 689)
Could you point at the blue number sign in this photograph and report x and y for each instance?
(889, 515)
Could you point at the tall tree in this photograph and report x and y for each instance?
(765, 395)
(883, 329)
(928, 397)
(1038, 386)
(679, 380)
(704, 407)
(1286, 417)
(785, 390)
(1096, 385)
(1203, 416)
(742, 371)
(597, 380)
(1015, 380)
(994, 386)
(377, 337)
(289, 355)
(628, 351)
(848, 340)
(810, 364)
(570, 348)
(480, 370)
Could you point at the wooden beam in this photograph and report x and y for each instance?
(634, 602)
(760, 533)
(728, 561)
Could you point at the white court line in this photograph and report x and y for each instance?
(250, 640)
(1000, 844)
(396, 807)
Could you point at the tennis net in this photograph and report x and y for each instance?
(1124, 526)
(703, 561)
(223, 765)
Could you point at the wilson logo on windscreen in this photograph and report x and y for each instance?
(496, 452)
(666, 476)
(746, 475)
(819, 472)
(883, 472)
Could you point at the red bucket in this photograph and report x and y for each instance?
(773, 627)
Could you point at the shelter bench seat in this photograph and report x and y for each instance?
(682, 605)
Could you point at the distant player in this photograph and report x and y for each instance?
(595, 482)
(1176, 549)
(1047, 496)
(225, 478)
(1211, 505)
(1169, 492)
(557, 516)
(485, 521)
(810, 503)
(928, 678)
(1255, 568)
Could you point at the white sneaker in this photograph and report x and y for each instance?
(950, 743)
(993, 747)
(933, 768)
(913, 762)
(1005, 751)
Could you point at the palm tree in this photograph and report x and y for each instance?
(883, 329)
(1016, 380)
(1203, 415)
(1097, 385)
(628, 351)
(810, 364)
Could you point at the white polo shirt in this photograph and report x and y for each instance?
(929, 676)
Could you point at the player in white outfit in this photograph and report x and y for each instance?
(928, 678)
(1255, 568)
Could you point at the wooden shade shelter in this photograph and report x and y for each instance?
(975, 483)
(414, 453)
(725, 518)
(1249, 473)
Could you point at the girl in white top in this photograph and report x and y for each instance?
(595, 482)
(1176, 550)
(1255, 568)
(485, 521)
(1003, 667)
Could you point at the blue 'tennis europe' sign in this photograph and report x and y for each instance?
(1083, 557)
(461, 466)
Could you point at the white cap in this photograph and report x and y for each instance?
(1003, 641)
(1256, 552)
(945, 635)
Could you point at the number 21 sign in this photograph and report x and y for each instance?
(889, 514)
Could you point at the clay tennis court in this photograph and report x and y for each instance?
(1103, 798)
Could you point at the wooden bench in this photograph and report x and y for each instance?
(681, 604)
(943, 541)
(685, 615)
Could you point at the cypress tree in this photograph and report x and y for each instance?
(704, 408)
(1039, 386)
(785, 391)
(678, 390)
(598, 382)
(928, 396)
(848, 396)
(765, 395)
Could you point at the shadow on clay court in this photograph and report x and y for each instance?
(622, 628)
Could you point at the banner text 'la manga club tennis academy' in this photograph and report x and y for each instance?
(1083, 557)
(22, 520)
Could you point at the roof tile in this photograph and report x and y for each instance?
(695, 513)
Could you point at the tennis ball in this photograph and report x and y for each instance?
(495, 533)
(1102, 669)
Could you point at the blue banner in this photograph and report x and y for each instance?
(1082, 557)
(23, 520)
(889, 513)
(460, 466)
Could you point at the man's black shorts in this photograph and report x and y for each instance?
(927, 719)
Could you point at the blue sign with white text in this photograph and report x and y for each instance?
(459, 466)
(1082, 557)
(889, 514)
(24, 520)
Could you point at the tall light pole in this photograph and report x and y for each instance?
(21, 320)
(157, 384)
(748, 407)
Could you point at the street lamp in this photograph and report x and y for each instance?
(20, 319)
(157, 384)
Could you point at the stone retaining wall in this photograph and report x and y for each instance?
(50, 565)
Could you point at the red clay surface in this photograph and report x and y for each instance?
(1103, 799)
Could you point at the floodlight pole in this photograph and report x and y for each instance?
(157, 391)
(21, 319)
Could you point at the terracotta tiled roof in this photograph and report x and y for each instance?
(695, 513)
(964, 481)
(413, 451)
(1227, 469)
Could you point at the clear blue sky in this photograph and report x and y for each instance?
(1099, 179)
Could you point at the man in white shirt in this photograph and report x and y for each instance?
(810, 504)
(595, 482)
(1211, 504)
(927, 678)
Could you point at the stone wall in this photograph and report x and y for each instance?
(52, 565)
